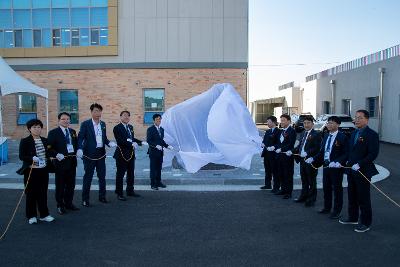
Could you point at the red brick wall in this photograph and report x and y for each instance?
(117, 90)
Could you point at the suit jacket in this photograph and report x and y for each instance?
(364, 151)
(27, 151)
(58, 144)
(121, 135)
(339, 150)
(87, 138)
(312, 144)
(270, 139)
(154, 139)
(288, 141)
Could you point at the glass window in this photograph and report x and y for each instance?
(84, 37)
(41, 3)
(27, 38)
(37, 38)
(5, 19)
(65, 37)
(69, 103)
(22, 18)
(60, 17)
(99, 17)
(1, 38)
(99, 2)
(80, 3)
(94, 36)
(326, 107)
(18, 38)
(56, 37)
(21, 4)
(41, 18)
(8, 38)
(5, 4)
(59, 3)
(75, 37)
(346, 106)
(372, 106)
(46, 38)
(26, 103)
(153, 103)
(80, 17)
(104, 36)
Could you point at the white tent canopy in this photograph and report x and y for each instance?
(11, 82)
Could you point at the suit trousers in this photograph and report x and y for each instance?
(332, 180)
(155, 170)
(122, 168)
(285, 171)
(359, 198)
(36, 192)
(65, 186)
(308, 182)
(270, 169)
(89, 167)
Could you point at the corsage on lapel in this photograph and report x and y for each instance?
(360, 139)
(309, 137)
(337, 143)
(285, 135)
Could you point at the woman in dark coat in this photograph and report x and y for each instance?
(33, 153)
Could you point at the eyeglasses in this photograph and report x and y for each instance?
(358, 118)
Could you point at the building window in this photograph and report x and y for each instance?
(326, 107)
(26, 108)
(59, 17)
(372, 106)
(153, 103)
(346, 106)
(68, 102)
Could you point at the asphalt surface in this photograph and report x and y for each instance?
(248, 228)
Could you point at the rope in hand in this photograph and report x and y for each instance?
(16, 207)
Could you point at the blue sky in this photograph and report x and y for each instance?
(318, 33)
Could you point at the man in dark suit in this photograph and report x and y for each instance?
(284, 157)
(271, 138)
(332, 156)
(62, 145)
(363, 150)
(125, 155)
(92, 139)
(310, 144)
(155, 139)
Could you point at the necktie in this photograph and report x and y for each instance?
(303, 141)
(328, 148)
(67, 139)
(356, 136)
(128, 131)
(158, 130)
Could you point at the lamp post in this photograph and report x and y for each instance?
(332, 82)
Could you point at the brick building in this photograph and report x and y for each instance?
(141, 55)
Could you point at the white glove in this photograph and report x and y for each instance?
(79, 153)
(262, 145)
(135, 145)
(332, 165)
(338, 165)
(272, 148)
(144, 143)
(303, 154)
(309, 160)
(159, 147)
(289, 153)
(170, 147)
(60, 157)
(278, 150)
(355, 167)
(35, 159)
(112, 144)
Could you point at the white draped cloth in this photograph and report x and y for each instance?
(213, 127)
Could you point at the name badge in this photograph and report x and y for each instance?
(129, 140)
(99, 141)
(42, 163)
(70, 148)
(326, 157)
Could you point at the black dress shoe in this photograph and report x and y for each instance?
(85, 203)
(287, 196)
(309, 203)
(72, 207)
(280, 193)
(61, 210)
(162, 185)
(274, 191)
(299, 200)
(324, 211)
(266, 187)
(334, 215)
(122, 198)
(103, 200)
(132, 194)
(154, 187)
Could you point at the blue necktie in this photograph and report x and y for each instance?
(328, 148)
(67, 136)
(357, 134)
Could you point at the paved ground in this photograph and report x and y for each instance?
(247, 228)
